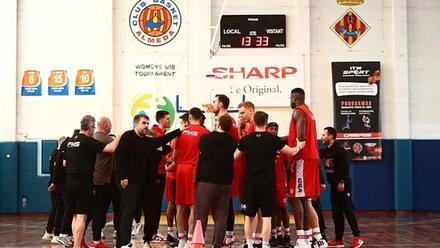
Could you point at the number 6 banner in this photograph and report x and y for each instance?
(85, 82)
(31, 83)
(58, 83)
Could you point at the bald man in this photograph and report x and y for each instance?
(105, 188)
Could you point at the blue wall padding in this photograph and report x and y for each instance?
(377, 185)
(47, 146)
(373, 181)
(426, 174)
(32, 189)
(403, 177)
(8, 177)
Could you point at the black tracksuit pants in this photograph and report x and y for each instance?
(104, 195)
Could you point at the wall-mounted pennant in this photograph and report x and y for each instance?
(31, 83)
(58, 83)
(85, 82)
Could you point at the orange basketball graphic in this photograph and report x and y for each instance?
(155, 20)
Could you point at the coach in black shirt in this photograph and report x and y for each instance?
(337, 165)
(80, 163)
(131, 168)
(214, 177)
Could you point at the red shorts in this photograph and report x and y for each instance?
(170, 189)
(304, 181)
(185, 187)
(237, 179)
(281, 195)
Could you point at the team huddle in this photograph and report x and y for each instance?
(200, 173)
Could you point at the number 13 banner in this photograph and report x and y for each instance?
(85, 82)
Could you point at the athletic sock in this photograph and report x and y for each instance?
(258, 238)
(287, 231)
(249, 243)
(300, 237)
(317, 233)
(274, 232)
(308, 234)
(266, 244)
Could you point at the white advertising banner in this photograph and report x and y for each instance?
(263, 81)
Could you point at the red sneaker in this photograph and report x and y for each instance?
(335, 243)
(357, 242)
(99, 244)
(84, 244)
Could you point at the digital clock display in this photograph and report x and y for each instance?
(253, 31)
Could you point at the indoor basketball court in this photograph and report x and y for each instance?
(320, 115)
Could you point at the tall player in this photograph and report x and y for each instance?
(186, 154)
(220, 108)
(304, 182)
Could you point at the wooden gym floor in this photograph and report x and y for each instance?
(379, 229)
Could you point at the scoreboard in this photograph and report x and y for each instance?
(253, 31)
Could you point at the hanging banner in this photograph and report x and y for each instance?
(85, 82)
(31, 83)
(58, 83)
(257, 79)
(356, 108)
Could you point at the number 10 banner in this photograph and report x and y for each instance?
(85, 82)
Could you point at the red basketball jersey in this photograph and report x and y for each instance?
(310, 150)
(187, 144)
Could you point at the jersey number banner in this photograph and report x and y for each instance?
(31, 83)
(356, 89)
(58, 83)
(85, 82)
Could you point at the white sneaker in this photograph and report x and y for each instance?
(136, 229)
(322, 243)
(47, 236)
(182, 243)
(127, 246)
(64, 241)
(54, 240)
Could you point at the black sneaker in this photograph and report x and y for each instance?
(273, 241)
(172, 240)
(280, 240)
(286, 240)
(260, 245)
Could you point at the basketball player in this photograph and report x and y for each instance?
(304, 182)
(186, 154)
(260, 148)
(281, 214)
(170, 188)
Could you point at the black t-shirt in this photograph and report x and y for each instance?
(52, 161)
(260, 149)
(336, 163)
(133, 156)
(216, 158)
(81, 153)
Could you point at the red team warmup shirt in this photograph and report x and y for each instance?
(280, 180)
(305, 177)
(187, 154)
(159, 132)
(237, 181)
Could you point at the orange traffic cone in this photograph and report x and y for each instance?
(197, 240)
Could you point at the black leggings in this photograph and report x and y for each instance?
(231, 217)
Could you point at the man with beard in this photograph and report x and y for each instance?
(131, 161)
